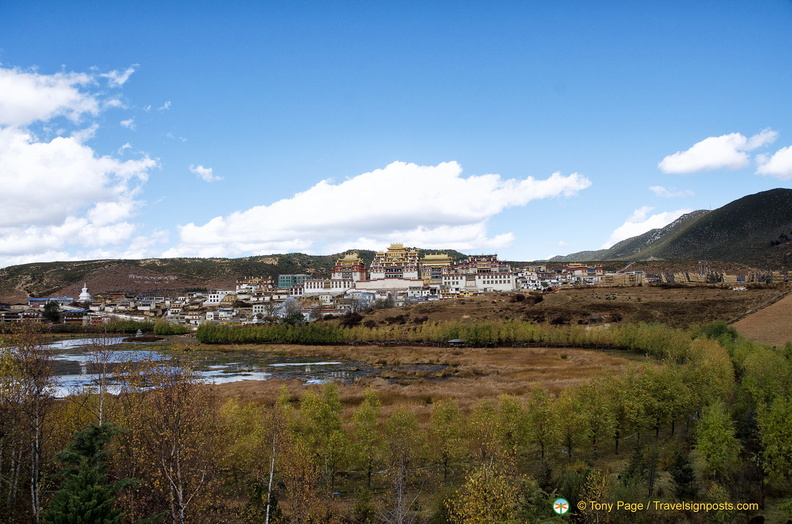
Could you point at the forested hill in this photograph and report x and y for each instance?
(17, 283)
(754, 230)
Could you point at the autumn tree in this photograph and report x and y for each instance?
(665, 396)
(489, 494)
(626, 400)
(542, 420)
(512, 424)
(321, 430)
(304, 498)
(716, 441)
(571, 419)
(483, 430)
(598, 413)
(171, 443)
(775, 433)
(446, 431)
(405, 447)
(767, 373)
(246, 450)
(27, 394)
(366, 435)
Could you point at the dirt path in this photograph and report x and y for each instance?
(770, 325)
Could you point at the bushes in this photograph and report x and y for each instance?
(654, 339)
(318, 334)
(163, 327)
(129, 326)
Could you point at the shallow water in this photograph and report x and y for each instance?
(74, 360)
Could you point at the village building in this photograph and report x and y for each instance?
(349, 267)
(478, 264)
(254, 284)
(333, 286)
(433, 267)
(397, 262)
(289, 281)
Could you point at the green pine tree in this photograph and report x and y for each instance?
(86, 497)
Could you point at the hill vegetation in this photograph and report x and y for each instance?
(42, 279)
(747, 230)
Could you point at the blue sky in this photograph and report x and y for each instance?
(528, 129)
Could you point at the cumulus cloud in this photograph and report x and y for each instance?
(28, 97)
(671, 193)
(720, 152)
(640, 222)
(59, 194)
(418, 205)
(778, 165)
(129, 123)
(205, 173)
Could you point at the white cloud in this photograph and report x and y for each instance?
(721, 152)
(174, 137)
(419, 205)
(671, 193)
(28, 97)
(58, 195)
(119, 78)
(129, 123)
(205, 173)
(164, 106)
(640, 222)
(779, 165)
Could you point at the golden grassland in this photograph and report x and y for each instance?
(467, 375)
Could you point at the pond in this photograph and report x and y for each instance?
(75, 362)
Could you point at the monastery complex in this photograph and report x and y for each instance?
(400, 268)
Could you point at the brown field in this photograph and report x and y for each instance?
(770, 325)
(465, 374)
(681, 306)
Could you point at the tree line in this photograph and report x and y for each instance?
(654, 339)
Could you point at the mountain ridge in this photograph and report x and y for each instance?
(741, 231)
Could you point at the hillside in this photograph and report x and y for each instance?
(679, 306)
(753, 230)
(161, 275)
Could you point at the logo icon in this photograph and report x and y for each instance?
(561, 506)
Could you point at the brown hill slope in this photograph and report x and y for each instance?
(769, 325)
(675, 306)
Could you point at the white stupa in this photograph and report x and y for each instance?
(85, 296)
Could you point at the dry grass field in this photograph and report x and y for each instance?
(420, 376)
(771, 325)
(680, 306)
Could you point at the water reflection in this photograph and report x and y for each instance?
(76, 362)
